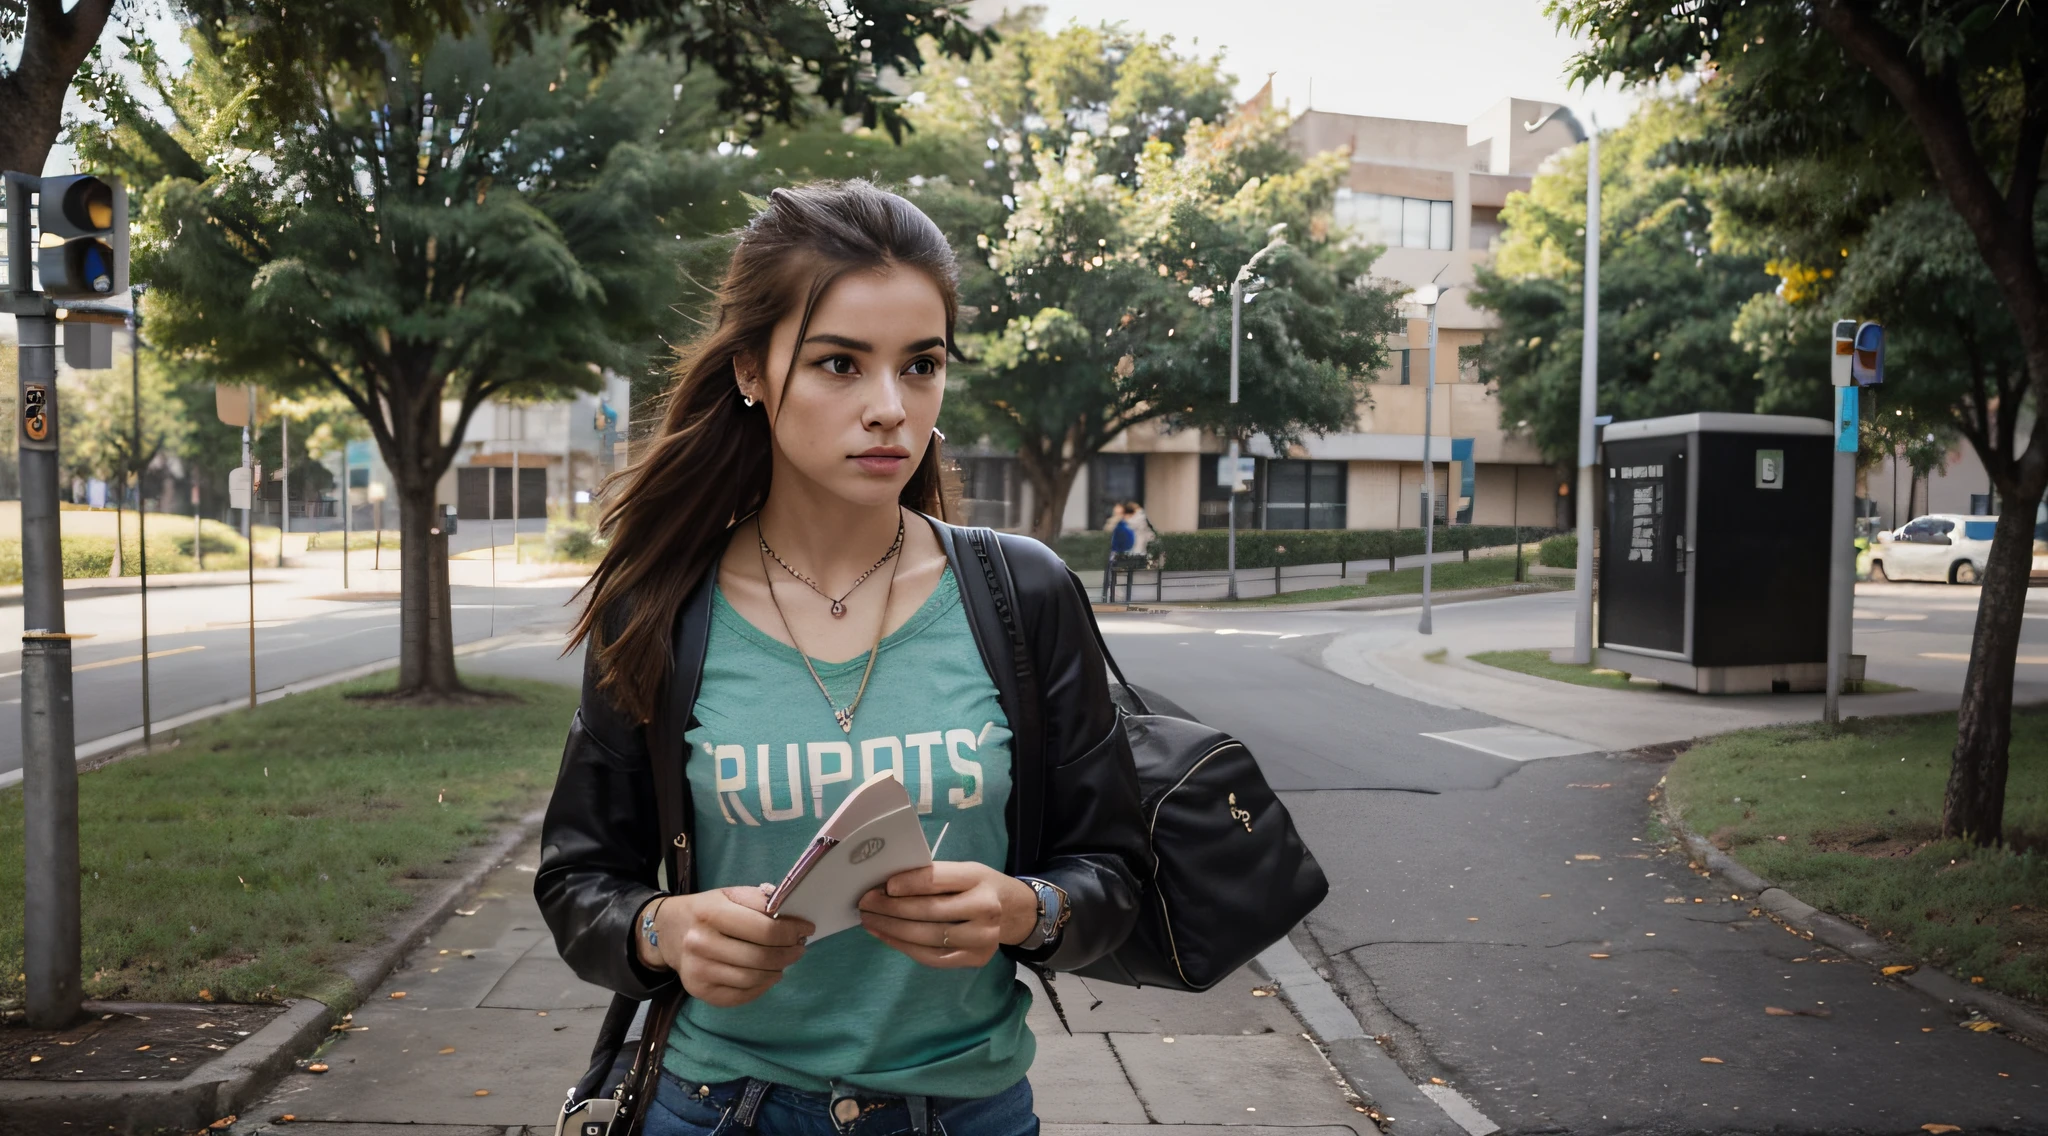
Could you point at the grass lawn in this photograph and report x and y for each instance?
(1539, 664)
(256, 855)
(1483, 572)
(1848, 822)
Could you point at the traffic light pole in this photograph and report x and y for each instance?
(50, 924)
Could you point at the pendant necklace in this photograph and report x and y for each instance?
(842, 715)
(838, 605)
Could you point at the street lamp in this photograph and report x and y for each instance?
(1429, 296)
(1275, 237)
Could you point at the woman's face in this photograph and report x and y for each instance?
(854, 415)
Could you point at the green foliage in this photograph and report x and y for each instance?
(1560, 551)
(271, 845)
(89, 556)
(1668, 297)
(769, 62)
(1540, 665)
(99, 430)
(1859, 810)
(359, 540)
(576, 541)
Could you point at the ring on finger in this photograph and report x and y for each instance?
(946, 940)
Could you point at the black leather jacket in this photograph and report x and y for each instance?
(1074, 815)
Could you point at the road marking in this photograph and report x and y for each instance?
(1516, 743)
(1235, 631)
(135, 658)
(1459, 1109)
(117, 662)
(1958, 657)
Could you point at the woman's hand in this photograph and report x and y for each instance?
(722, 944)
(952, 915)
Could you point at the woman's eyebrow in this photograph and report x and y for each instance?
(852, 344)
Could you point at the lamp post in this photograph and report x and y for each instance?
(1589, 393)
(1429, 296)
(1275, 237)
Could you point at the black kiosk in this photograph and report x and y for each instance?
(1714, 552)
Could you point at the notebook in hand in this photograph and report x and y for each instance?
(872, 835)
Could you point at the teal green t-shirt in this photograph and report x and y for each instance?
(767, 765)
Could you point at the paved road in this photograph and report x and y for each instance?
(199, 646)
(1462, 918)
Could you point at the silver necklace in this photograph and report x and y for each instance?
(839, 604)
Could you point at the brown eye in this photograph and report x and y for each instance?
(924, 366)
(840, 365)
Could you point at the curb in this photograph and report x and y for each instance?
(1369, 1070)
(2023, 1024)
(238, 1078)
(97, 587)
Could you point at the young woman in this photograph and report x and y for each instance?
(785, 507)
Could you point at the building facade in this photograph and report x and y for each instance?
(1432, 193)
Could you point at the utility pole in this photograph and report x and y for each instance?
(284, 478)
(1275, 237)
(345, 509)
(1858, 362)
(1435, 296)
(1589, 395)
(252, 474)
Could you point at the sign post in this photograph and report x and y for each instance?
(1857, 362)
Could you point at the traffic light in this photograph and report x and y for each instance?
(83, 221)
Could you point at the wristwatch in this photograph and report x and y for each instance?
(1053, 912)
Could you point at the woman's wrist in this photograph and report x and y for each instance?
(647, 936)
(1020, 910)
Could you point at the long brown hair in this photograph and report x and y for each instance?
(708, 466)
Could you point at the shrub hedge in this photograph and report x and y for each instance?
(1207, 550)
(1560, 551)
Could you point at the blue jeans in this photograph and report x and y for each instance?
(682, 1110)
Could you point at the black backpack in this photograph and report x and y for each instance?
(1233, 876)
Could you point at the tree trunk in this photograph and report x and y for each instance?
(426, 638)
(1051, 483)
(1974, 805)
(32, 95)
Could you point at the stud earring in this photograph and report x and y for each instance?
(743, 398)
(938, 433)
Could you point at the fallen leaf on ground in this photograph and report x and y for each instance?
(317, 1067)
(33, 1059)
(283, 1118)
(1262, 991)
(1777, 1011)
(1781, 1012)
(445, 1052)
(1712, 1061)
(1891, 970)
(1475, 919)
(1976, 980)
(1598, 956)
(398, 993)
(471, 911)
(140, 1048)
(1545, 895)
(206, 995)
(1982, 1025)
(1939, 1129)
(483, 1092)
(1926, 1029)
(223, 1122)
(1584, 856)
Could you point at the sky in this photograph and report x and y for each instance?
(1441, 60)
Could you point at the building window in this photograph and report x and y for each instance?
(1304, 494)
(1398, 222)
(1404, 366)
(1212, 510)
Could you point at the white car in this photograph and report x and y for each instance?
(1943, 547)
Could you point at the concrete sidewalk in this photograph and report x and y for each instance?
(492, 1027)
(1435, 669)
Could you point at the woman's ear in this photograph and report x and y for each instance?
(747, 377)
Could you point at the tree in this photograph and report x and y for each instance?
(1668, 297)
(1113, 305)
(1118, 195)
(1846, 109)
(770, 60)
(463, 230)
(55, 42)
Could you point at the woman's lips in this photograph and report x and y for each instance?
(879, 463)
